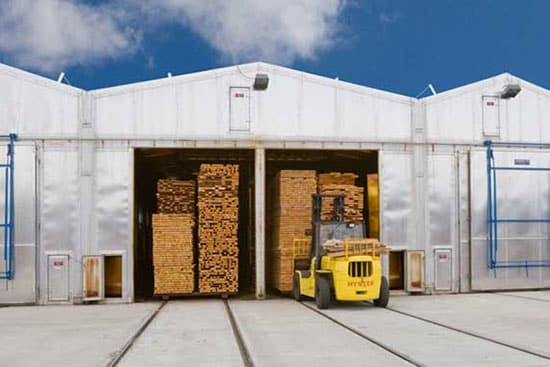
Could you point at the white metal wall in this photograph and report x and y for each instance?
(428, 185)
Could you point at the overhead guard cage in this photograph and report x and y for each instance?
(492, 214)
(8, 222)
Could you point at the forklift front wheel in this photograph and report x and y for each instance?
(322, 292)
(382, 301)
(297, 293)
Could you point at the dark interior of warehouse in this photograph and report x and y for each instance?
(150, 165)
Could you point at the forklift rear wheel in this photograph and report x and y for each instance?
(297, 295)
(382, 301)
(322, 293)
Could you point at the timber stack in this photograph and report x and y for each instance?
(336, 183)
(292, 200)
(173, 228)
(176, 196)
(173, 253)
(218, 208)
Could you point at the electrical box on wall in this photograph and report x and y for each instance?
(239, 109)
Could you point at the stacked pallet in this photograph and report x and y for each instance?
(291, 215)
(336, 183)
(173, 253)
(218, 207)
(176, 196)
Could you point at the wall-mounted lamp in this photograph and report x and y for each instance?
(261, 81)
(510, 91)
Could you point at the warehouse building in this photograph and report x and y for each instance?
(80, 177)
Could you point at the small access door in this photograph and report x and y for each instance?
(92, 278)
(443, 269)
(415, 271)
(239, 109)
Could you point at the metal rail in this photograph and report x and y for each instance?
(366, 337)
(245, 355)
(493, 220)
(469, 333)
(8, 223)
(120, 354)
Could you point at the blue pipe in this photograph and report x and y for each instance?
(489, 143)
(521, 169)
(489, 209)
(9, 208)
(12, 210)
(6, 207)
(512, 220)
(495, 211)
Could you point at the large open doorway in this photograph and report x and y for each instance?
(311, 163)
(152, 164)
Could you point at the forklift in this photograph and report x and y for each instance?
(341, 264)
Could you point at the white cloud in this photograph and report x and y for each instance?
(242, 30)
(50, 35)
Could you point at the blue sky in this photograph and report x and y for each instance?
(395, 45)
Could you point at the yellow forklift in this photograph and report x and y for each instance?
(341, 263)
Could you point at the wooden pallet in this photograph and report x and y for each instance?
(173, 253)
(291, 218)
(218, 208)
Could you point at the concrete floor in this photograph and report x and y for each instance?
(192, 332)
(515, 320)
(428, 344)
(67, 335)
(282, 332)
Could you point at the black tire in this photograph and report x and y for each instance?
(322, 293)
(296, 290)
(382, 301)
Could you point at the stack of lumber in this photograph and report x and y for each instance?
(218, 207)
(176, 196)
(292, 200)
(173, 253)
(336, 183)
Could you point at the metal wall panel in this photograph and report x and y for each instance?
(519, 195)
(294, 105)
(463, 193)
(397, 215)
(30, 105)
(111, 229)
(59, 210)
(112, 185)
(458, 115)
(22, 289)
(59, 200)
(441, 208)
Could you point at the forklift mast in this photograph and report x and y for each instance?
(316, 221)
